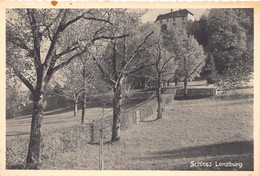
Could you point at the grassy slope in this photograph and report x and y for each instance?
(218, 129)
(63, 118)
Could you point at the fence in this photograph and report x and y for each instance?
(129, 117)
(195, 93)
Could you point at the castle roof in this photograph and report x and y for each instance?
(175, 14)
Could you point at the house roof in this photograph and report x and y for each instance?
(179, 13)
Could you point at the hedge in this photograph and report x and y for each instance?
(195, 93)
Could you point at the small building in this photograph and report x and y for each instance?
(175, 19)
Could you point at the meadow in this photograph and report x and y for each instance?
(197, 134)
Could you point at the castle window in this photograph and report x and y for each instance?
(163, 27)
(167, 19)
(182, 18)
(173, 19)
(173, 24)
(183, 23)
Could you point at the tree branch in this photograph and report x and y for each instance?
(132, 56)
(109, 37)
(195, 69)
(37, 37)
(63, 27)
(166, 62)
(20, 43)
(47, 27)
(56, 68)
(139, 68)
(48, 31)
(68, 50)
(173, 73)
(192, 62)
(21, 77)
(107, 77)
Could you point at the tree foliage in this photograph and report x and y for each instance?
(227, 36)
(189, 55)
(164, 63)
(117, 58)
(42, 41)
(16, 96)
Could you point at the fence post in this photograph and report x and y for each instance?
(137, 114)
(101, 160)
(92, 130)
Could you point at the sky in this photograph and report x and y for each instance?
(152, 14)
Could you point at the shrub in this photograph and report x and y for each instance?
(16, 151)
(56, 141)
(195, 93)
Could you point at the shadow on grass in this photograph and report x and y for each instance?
(18, 134)
(153, 120)
(58, 111)
(182, 98)
(17, 166)
(235, 96)
(231, 148)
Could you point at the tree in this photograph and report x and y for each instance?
(210, 69)
(188, 53)
(198, 30)
(230, 34)
(227, 38)
(163, 65)
(91, 81)
(119, 57)
(39, 43)
(75, 79)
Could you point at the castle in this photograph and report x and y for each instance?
(175, 19)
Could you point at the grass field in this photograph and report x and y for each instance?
(193, 135)
(63, 117)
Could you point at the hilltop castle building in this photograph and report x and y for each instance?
(175, 19)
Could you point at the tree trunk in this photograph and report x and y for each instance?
(83, 107)
(117, 103)
(84, 94)
(185, 87)
(32, 160)
(75, 108)
(159, 95)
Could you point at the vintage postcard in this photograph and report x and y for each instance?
(129, 88)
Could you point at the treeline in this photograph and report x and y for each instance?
(227, 36)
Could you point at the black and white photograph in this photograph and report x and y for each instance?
(157, 89)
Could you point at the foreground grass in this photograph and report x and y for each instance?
(213, 130)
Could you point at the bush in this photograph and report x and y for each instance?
(16, 151)
(195, 93)
(211, 80)
(54, 142)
